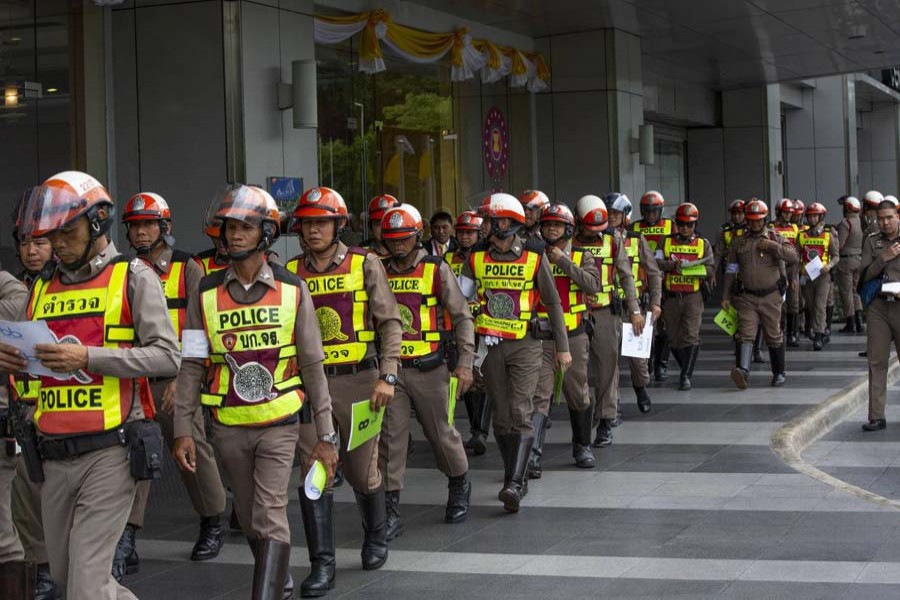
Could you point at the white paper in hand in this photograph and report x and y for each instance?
(891, 287)
(194, 344)
(24, 335)
(637, 346)
(814, 268)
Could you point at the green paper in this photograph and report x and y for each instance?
(316, 480)
(727, 320)
(694, 270)
(558, 377)
(451, 399)
(365, 424)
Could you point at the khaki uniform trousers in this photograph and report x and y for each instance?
(575, 380)
(257, 462)
(604, 362)
(792, 295)
(428, 393)
(816, 295)
(26, 512)
(511, 370)
(883, 318)
(10, 546)
(754, 311)
(682, 315)
(361, 464)
(85, 503)
(205, 486)
(847, 277)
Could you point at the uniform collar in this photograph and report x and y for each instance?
(419, 254)
(340, 254)
(93, 266)
(264, 276)
(163, 262)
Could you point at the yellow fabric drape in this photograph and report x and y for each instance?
(418, 43)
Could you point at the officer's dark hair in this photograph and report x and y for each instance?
(441, 216)
(886, 205)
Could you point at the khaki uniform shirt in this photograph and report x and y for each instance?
(382, 309)
(757, 269)
(13, 296)
(452, 299)
(850, 236)
(546, 288)
(623, 270)
(309, 353)
(873, 265)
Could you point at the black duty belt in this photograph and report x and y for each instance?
(365, 364)
(760, 293)
(851, 255)
(424, 363)
(70, 447)
(578, 330)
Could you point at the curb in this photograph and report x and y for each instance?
(789, 441)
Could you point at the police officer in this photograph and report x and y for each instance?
(799, 211)
(850, 238)
(215, 258)
(148, 222)
(784, 226)
(533, 201)
(425, 289)
(115, 317)
(377, 207)
(355, 306)
(687, 261)
(879, 262)
(734, 227)
(871, 201)
(753, 279)
(511, 276)
(478, 403)
(263, 342)
(34, 253)
(817, 240)
(647, 284)
(15, 572)
(576, 275)
(655, 228)
(610, 265)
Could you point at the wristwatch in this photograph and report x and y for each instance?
(389, 378)
(331, 438)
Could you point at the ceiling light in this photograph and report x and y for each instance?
(52, 90)
(10, 96)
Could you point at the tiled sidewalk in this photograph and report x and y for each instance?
(689, 502)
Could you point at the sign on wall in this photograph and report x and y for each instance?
(286, 191)
(496, 146)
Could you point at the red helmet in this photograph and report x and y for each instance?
(592, 212)
(652, 199)
(736, 206)
(506, 206)
(401, 222)
(380, 204)
(816, 208)
(321, 203)
(687, 213)
(534, 199)
(249, 204)
(61, 200)
(558, 213)
(799, 207)
(146, 206)
(786, 205)
(468, 220)
(756, 210)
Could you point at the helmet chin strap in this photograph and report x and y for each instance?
(512, 230)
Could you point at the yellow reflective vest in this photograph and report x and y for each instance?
(506, 293)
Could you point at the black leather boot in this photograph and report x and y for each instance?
(125, 560)
(829, 317)
(581, 437)
(535, 467)
(793, 340)
(604, 434)
(758, 347)
(850, 326)
(858, 321)
(689, 355)
(338, 475)
(270, 571)
(483, 421)
(372, 509)
(513, 492)
(818, 341)
(393, 524)
(469, 400)
(44, 586)
(776, 355)
(740, 374)
(210, 540)
(661, 357)
(459, 490)
(17, 579)
(318, 527)
(643, 399)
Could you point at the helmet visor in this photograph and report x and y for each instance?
(239, 202)
(49, 208)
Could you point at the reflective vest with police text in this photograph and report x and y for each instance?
(812, 246)
(654, 234)
(506, 293)
(692, 251)
(571, 297)
(604, 251)
(416, 294)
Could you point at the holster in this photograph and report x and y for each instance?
(145, 449)
(705, 290)
(616, 305)
(428, 362)
(541, 329)
(305, 414)
(451, 351)
(26, 434)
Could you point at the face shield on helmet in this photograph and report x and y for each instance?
(247, 204)
(619, 202)
(652, 204)
(505, 206)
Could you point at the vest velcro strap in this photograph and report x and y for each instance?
(119, 333)
(360, 296)
(432, 336)
(288, 384)
(287, 351)
(207, 399)
(260, 414)
(218, 359)
(430, 301)
(577, 308)
(365, 336)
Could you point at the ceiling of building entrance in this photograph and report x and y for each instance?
(722, 43)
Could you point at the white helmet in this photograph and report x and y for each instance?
(873, 198)
(852, 204)
(619, 202)
(892, 199)
(592, 213)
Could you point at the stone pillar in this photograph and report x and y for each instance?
(592, 112)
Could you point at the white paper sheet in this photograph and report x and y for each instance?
(24, 335)
(814, 268)
(638, 347)
(891, 287)
(194, 344)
